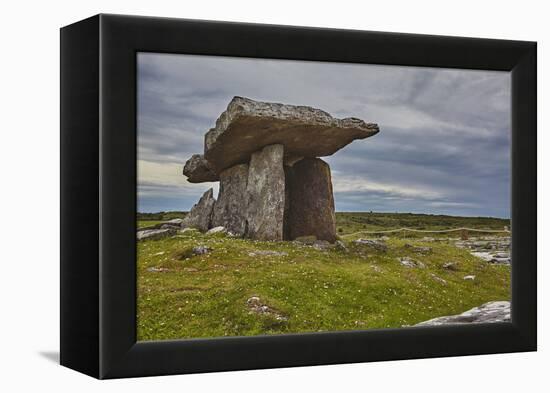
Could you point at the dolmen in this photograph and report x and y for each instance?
(273, 185)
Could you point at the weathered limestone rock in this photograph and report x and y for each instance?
(487, 313)
(266, 194)
(230, 209)
(247, 126)
(198, 170)
(154, 234)
(200, 216)
(377, 245)
(311, 205)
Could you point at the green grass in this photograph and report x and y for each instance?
(314, 290)
(147, 223)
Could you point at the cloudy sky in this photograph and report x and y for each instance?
(444, 144)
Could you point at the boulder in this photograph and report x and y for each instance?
(438, 279)
(487, 313)
(200, 250)
(322, 245)
(216, 230)
(188, 230)
(266, 194)
(411, 263)
(154, 234)
(311, 203)
(375, 244)
(198, 170)
(200, 216)
(175, 222)
(450, 266)
(230, 208)
(247, 126)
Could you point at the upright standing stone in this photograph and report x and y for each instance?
(200, 216)
(286, 222)
(266, 194)
(230, 209)
(311, 206)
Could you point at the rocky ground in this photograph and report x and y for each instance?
(487, 313)
(492, 249)
(193, 284)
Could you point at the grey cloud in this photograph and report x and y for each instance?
(442, 130)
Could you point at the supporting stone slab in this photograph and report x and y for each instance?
(266, 194)
(230, 208)
(311, 204)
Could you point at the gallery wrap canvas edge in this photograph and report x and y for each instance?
(98, 175)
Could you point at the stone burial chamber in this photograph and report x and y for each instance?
(273, 185)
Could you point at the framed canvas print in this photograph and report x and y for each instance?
(239, 196)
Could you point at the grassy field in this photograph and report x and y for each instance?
(347, 223)
(306, 289)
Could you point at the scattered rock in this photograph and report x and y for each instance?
(492, 249)
(487, 257)
(155, 234)
(487, 313)
(201, 250)
(411, 263)
(265, 192)
(230, 210)
(376, 244)
(187, 230)
(190, 269)
(264, 253)
(322, 245)
(418, 249)
(500, 260)
(256, 305)
(469, 278)
(450, 266)
(200, 216)
(198, 170)
(247, 126)
(216, 230)
(190, 252)
(311, 202)
(168, 226)
(157, 269)
(340, 245)
(438, 279)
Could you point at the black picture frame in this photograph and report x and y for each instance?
(98, 195)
